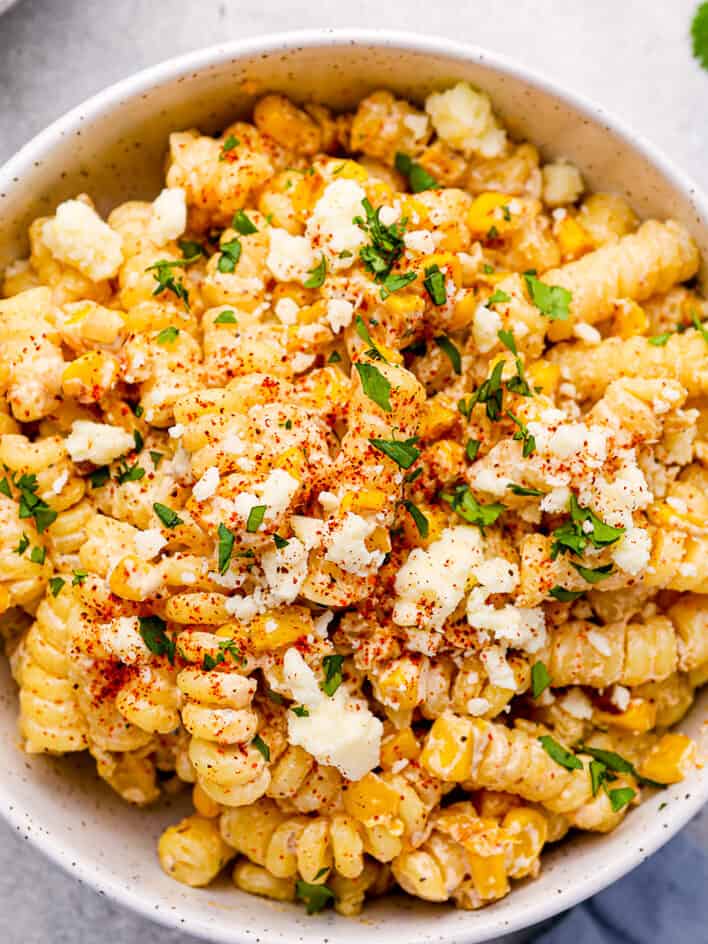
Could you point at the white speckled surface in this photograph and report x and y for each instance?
(631, 56)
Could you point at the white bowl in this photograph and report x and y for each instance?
(112, 147)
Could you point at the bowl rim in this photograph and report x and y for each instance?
(152, 76)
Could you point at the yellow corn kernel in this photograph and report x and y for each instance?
(293, 461)
(414, 209)
(397, 684)
(204, 804)
(404, 303)
(295, 292)
(312, 313)
(486, 211)
(352, 170)
(379, 540)
(661, 513)
(399, 746)
(89, 377)
(281, 627)
(448, 458)
(545, 375)
(380, 192)
(464, 312)
(363, 501)
(670, 759)
(148, 316)
(488, 875)
(327, 387)
(371, 799)
(529, 829)
(437, 419)
(630, 319)
(639, 717)
(437, 522)
(573, 239)
(446, 260)
(101, 325)
(447, 753)
(306, 193)
(134, 579)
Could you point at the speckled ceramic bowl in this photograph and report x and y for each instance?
(113, 148)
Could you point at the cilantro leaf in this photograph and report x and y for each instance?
(230, 254)
(226, 317)
(451, 352)
(659, 340)
(99, 477)
(23, 544)
(225, 548)
(551, 300)
(55, 585)
(523, 490)
(565, 596)
(598, 775)
(386, 246)
(316, 897)
(156, 457)
(332, 666)
(255, 518)
(621, 797)
(242, 224)
(300, 711)
(375, 385)
(540, 679)
(167, 335)
(559, 754)
(38, 554)
(395, 281)
(418, 177)
(421, 522)
(79, 575)
(191, 250)
(279, 542)
(508, 340)
(167, 516)
(152, 629)
(229, 144)
(402, 451)
(472, 449)
(434, 283)
(317, 275)
(522, 434)
(593, 575)
(131, 473)
(699, 34)
(261, 746)
(497, 296)
(469, 509)
(5, 488)
(166, 279)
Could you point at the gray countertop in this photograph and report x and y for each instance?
(630, 55)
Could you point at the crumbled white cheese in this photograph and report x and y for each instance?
(339, 731)
(463, 118)
(388, 215)
(577, 704)
(347, 549)
(78, 236)
(300, 362)
(207, 484)
(577, 438)
(497, 575)
(149, 543)
(420, 240)
(329, 501)
(431, 582)
(485, 328)
(556, 500)
(599, 642)
(276, 493)
(417, 124)
(176, 431)
(688, 570)
(60, 481)
(486, 479)
(290, 258)
(499, 671)
(633, 550)
(331, 227)
(678, 504)
(477, 706)
(587, 333)
(520, 627)
(246, 607)
(322, 622)
(285, 569)
(286, 310)
(310, 531)
(620, 697)
(97, 442)
(169, 216)
(121, 638)
(339, 313)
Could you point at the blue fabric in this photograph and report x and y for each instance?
(663, 901)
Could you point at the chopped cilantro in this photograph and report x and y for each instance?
(23, 545)
(225, 547)
(79, 575)
(167, 335)
(402, 451)
(229, 144)
(523, 490)
(332, 666)
(469, 509)
(593, 575)
(167, 516)
(128, 473)
(559, 754)
(55, 585)
(37, 555)
(318, 274)
(138, 440)
(395, 281)
(300, 711)
(363, 332)
(508, 340)
(522, 434)
(551, 300)
(571, 536)
(152, 629)
(99, 477)
(621, 797)
(699, 326)
(375, 385)
(386, 245)
(5, 488)
(434, 283)
(418, 177)
(167, 281)
(31, 506)
(316, 897)
(540, 679)
(498, 296)
(334, 358)
(226, 317)
(421, 522)
(279, 542)
(156, 457)
(472, 449)
(242, 224)
(450, 351)
(488, 269)
(598, 775)
(255, 518)
(699, 34)
(659, 340)
(230, 254)
(565, 596)
(261, 746)
(190, 249)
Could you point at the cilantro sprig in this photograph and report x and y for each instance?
(470, 510)
(553, 301)
(583, 528)
(166, 279)
(418, 177)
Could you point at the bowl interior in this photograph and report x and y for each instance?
(113, 148)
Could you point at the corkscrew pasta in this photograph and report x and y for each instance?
(357, 484)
